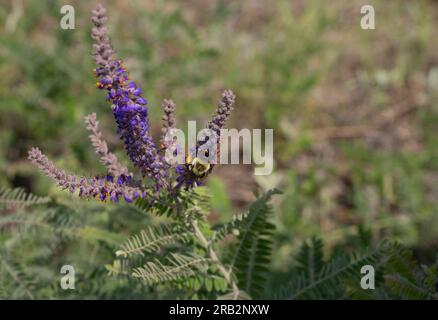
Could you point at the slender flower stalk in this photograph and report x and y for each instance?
(129, 107)
(64, 180)
(169, 122)
(102, 50)
(102, 188)
(223, 111)
(107, 158)
(185, 176)
(167, 141)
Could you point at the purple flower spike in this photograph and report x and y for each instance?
(96, 187)
(129, 108)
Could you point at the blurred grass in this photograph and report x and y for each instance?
(354, 112)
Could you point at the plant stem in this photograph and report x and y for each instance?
(214, 257)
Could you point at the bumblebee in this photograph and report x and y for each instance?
(192, 172)
(198, 167)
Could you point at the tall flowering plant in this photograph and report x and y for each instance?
(130, 110)
(161, 187)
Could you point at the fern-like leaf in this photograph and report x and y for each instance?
(252, 255)
(406, 289)
(405, 279)
(232, 227)
(331, 280)
(22, 283)
(178, 267)
(198, 200)
(11, 199)
(310, 258)
(153, 239)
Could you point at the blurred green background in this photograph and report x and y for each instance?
(354, 111)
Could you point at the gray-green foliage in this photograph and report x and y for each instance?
(17, 198)
(251, 257)
(186, 257)
(406, 280)
(397, 274)
(319, 279)
(152, 239)
(177, 267)
(147, 255)
(36, 241)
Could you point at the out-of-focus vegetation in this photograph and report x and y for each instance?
(354, 114)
